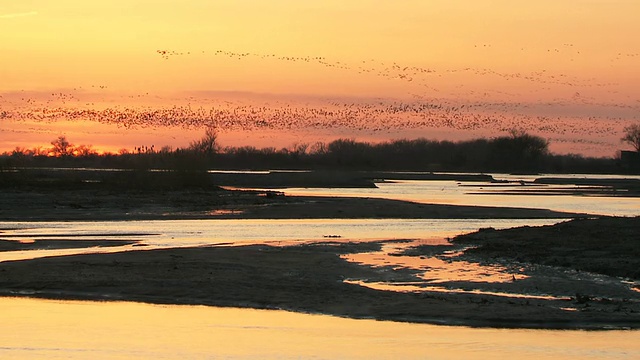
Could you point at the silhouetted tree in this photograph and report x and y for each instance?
(61, 147)
(348, 152)
(319, 148)
(632, 136)
(207, 145)
(84, 150)
(518, 151)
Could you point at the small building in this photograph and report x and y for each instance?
(630, 160)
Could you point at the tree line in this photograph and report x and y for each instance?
(515, 152)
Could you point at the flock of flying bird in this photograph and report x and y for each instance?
(361, 117)
(393, 70)
(472, 110)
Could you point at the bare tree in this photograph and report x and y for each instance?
(299, 148)
(61, 147)
(84, 150)
(319, 148)
(208, 144)
(632, 136)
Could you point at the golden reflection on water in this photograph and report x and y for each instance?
(157, 234)
(487, 194)
(434, 271)
(33, 328)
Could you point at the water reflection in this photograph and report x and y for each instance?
(39, 329)
(437, 269)
(487, 194)
(444, 268)
(183, 233)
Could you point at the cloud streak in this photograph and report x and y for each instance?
(17, 15)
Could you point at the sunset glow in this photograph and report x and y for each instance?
(120, 74)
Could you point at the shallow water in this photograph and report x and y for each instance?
(181, 233)
(47, 329)
(488, 194)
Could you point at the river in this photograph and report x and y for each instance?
(48, 329)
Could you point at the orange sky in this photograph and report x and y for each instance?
(565, 70)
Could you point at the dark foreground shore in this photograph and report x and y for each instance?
(310, 278)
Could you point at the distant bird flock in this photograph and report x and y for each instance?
(427, 104)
